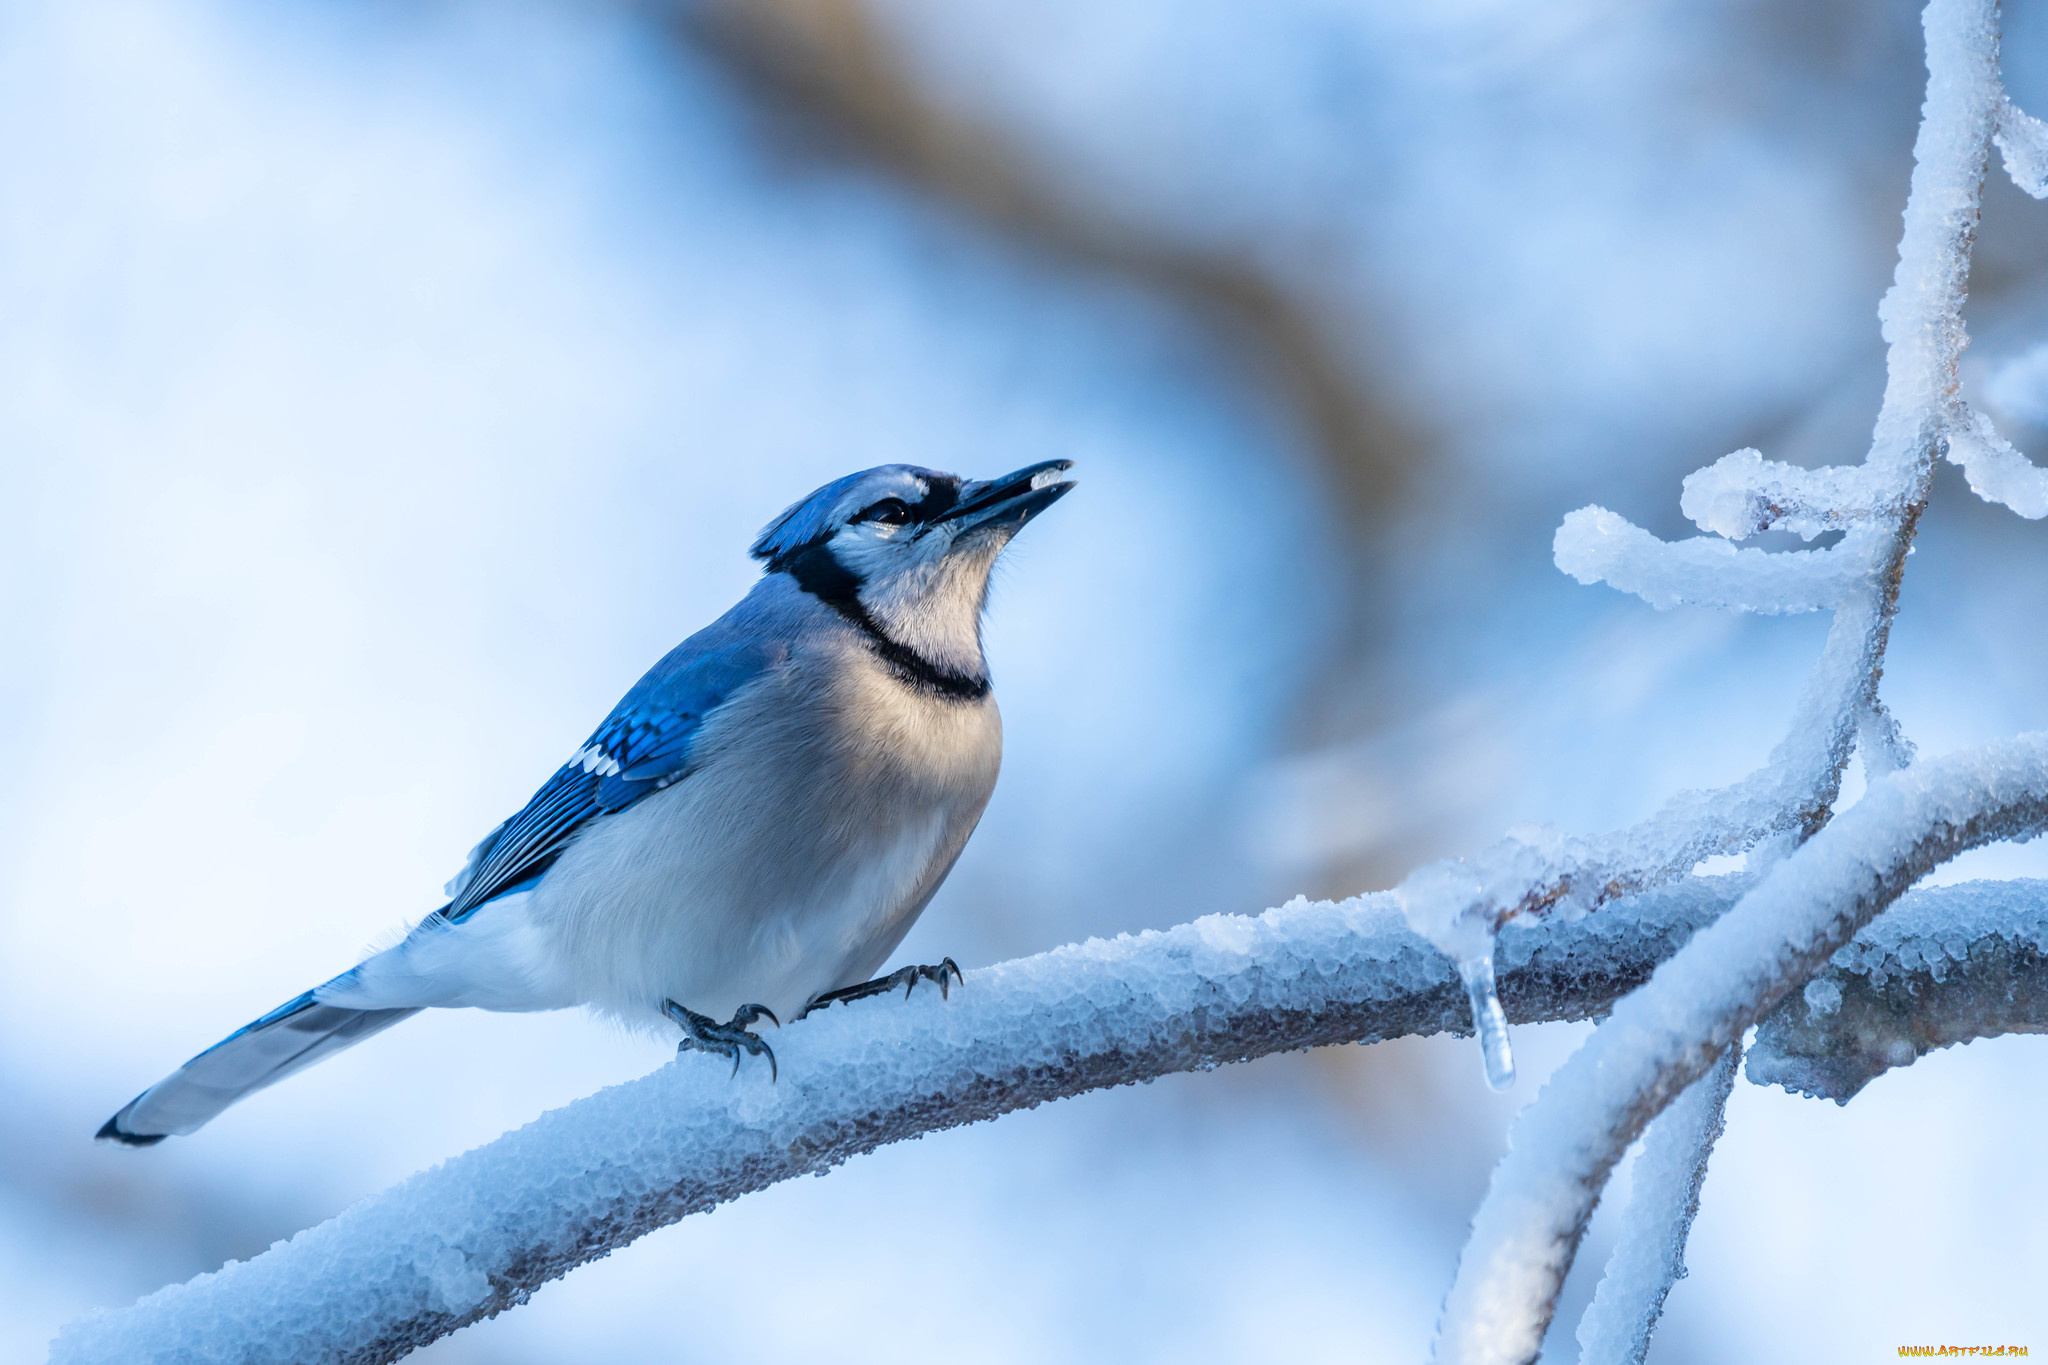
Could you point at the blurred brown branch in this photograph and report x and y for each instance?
(834, 60)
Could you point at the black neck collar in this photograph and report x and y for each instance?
(825, 578)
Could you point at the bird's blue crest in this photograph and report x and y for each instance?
(816, 517)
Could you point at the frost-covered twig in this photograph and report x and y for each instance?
(1649, 1256)
(1458, 905)
(480, 1233)
(1595, 545)
(1662, 1038)
(1947, 965)
(2023, 139)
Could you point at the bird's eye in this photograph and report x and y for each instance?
(888, 512)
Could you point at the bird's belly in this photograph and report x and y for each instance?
(753, 883)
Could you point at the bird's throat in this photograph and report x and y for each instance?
(820, 574)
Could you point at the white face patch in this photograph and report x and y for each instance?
(928, 594)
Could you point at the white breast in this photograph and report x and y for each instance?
(824, 808)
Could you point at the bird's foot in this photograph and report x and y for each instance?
(906, 977)
(725, 1040)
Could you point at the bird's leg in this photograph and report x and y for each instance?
(707, 1035)
(906, 977)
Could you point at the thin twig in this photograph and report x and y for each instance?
(1649, 1256)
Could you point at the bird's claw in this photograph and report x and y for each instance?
(747, 1014)
(944, 973)
(703, 1034)
(910, 976)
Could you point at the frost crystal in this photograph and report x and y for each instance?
(1822, 997)
(1945, 966)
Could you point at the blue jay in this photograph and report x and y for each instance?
(751, 831)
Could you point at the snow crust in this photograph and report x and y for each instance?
(1933, 930)
(1743, 493)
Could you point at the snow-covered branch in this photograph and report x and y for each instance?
(480, 1233)
(1741, 494)
(1594, 545)
(1662, 1038)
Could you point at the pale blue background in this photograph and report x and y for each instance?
(383, 386)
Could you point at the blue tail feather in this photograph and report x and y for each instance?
(290, 1038)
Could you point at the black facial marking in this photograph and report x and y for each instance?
(820, 574)
(939, 499)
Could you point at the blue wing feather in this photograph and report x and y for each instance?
(642, 747)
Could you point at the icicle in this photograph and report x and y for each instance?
(1488, 1019)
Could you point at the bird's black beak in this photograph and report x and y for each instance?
(1011, 500)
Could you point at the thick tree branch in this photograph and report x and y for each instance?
(480, 1233)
